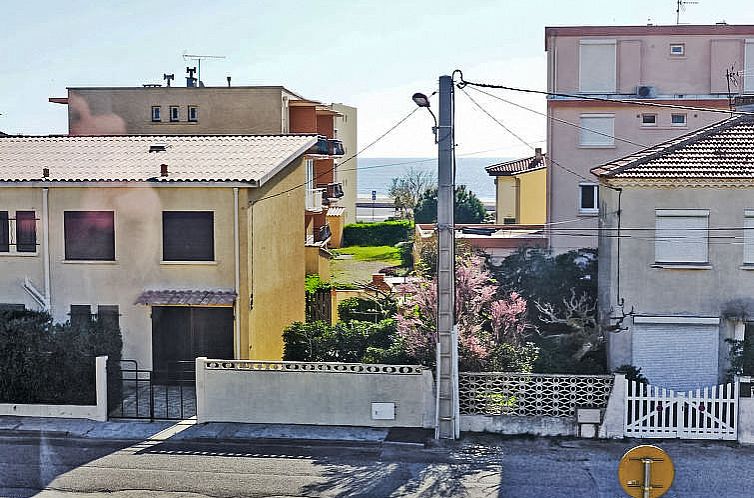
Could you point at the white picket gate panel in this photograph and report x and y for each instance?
(655, 412)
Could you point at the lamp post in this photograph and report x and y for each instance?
(446, 408)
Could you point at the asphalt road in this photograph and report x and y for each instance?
(481, 467)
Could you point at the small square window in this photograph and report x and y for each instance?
(588, 198)
(156, 114)
(649, 119)
(193, 113)
(188, 236)
(677, 49)
(678, 119)
(89, 235)
(173, 113)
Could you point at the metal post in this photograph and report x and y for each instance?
(447, 362)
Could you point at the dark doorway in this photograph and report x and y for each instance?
(182, 333)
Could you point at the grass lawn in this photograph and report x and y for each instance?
(388, 254)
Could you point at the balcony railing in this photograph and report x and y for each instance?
(335, 190)
(314, 197)
(336, 147)
(322, 234)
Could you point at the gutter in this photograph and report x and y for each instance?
(46, 243)
(237, 276)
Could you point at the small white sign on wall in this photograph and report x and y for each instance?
(383, 411)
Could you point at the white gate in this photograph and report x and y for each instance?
(655, 412)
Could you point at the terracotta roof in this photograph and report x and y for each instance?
(187, 297)
(723, 150)
(218, 158)
(517, 166)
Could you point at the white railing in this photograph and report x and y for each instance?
(314, 199)
(310, 366)
(523, 394)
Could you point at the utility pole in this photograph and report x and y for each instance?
(446, 427)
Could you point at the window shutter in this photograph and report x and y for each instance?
(89, 235)
(749, 238)
(681, 238)
(26, 231)
(81, 314)
(188, 236)
(749, 67)
(108, 315)
(597, 130)
(4, 232)
(597, 66)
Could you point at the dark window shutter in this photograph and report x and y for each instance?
(81, 314)
(89, 235)
(11, 307)
(26, 231)
(188, 236)
(109, 315)
(4, 232)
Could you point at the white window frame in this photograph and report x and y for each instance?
(679, 125)
(748, 229)
(648, 125)
(606, 140)
(583, 88)
(174, 109)
(12, 233)
(156, 114)
(595, 199)
(195, 117)
(669, 241)
(682, 52)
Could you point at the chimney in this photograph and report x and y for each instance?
(378, 282)
(163, 170)
(538, 154)
(228, 78)
(190, 80)
(45, 172)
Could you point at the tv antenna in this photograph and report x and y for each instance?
(680, 6)
(198, 59)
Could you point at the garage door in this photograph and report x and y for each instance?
(677, 356)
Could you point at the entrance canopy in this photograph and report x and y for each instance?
(187, 298)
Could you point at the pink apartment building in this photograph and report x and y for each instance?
(683, 65)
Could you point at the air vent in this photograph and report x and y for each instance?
(646, 92)
(158, 147)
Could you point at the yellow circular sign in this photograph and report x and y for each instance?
(646, 471)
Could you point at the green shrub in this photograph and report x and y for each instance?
(383, 233)
(406, 250)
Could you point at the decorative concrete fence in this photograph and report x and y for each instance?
(522, 403)
(94, 412)
(283, 392)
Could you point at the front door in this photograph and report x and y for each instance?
(182, 333)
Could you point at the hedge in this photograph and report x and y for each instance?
(383, 233)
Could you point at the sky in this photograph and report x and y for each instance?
(370, 54)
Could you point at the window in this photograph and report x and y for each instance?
(597, 66)
(89, 235)
(108, 315)
(597, 130)
(749, 237)
(588, 198)
(156, 114)
(24, 230)
(6, 307)
(193, 113)
(188, 236)
(749, 67)
(81, 315)
(681, 236)
(678, 119)
(677, 49)
(173, 113)
(649, 119)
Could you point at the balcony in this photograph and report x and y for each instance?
(314, 199)
(335, 190)
(322, 234)
(336, 147)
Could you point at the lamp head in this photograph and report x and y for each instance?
(420, 99)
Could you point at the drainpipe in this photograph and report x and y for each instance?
(237, 283)
(46, 244)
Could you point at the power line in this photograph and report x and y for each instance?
(464, 83)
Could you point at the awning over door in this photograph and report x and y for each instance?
(187, 298)
(680, 356)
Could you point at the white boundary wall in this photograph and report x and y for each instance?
(94, 412)
(282, 392)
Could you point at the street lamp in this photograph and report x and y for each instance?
(422, 100)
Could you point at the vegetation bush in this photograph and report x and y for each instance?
(468, 207)
(343, 342)
(383, 233)
(54, 363)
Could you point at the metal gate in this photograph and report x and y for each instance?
(163, 395)
(655, 412)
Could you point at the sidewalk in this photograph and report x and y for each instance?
(189, 430)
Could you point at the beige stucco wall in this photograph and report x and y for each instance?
(673, 292)
(506, 198)
(346, 174)
(571, 163)
(248, 110)
(532, 197)
(276, 255)
(317, 262)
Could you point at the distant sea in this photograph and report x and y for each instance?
(376, 173)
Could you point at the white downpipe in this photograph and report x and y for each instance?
(454, 373)
(46, 253)
(237, 283)
(437, 391)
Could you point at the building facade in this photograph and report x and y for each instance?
(179, 237)
(594, 67)
(676, 252)
(521, 190)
